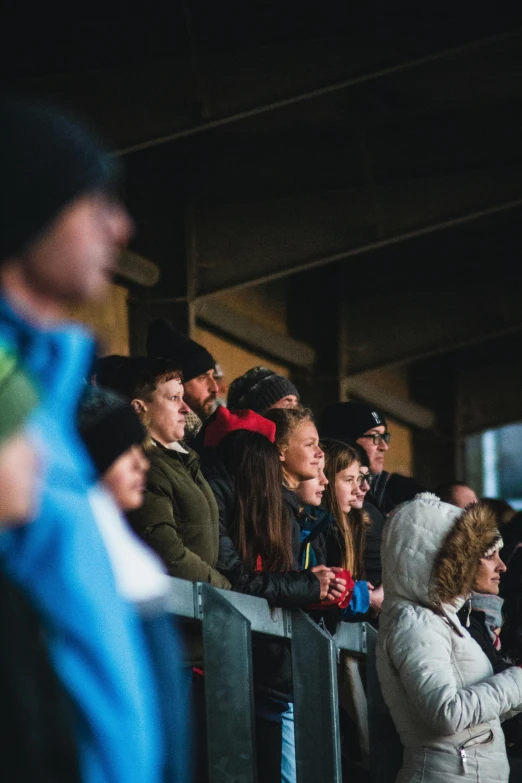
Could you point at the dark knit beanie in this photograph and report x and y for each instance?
(106, 369)
(47, 160)
(361, 452)
(349, 420)
(18, 394)
(109, 425)
(258, 389)
(190, 357)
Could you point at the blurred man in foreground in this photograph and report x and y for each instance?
(61, 228)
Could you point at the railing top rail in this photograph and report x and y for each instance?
(184, 601)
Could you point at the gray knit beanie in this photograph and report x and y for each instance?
(258, 389)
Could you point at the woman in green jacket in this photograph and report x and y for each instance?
(179, 518)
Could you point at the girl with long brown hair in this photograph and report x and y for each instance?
(259, 553)
(344, 496)
(342, 469)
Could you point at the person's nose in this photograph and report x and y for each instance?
(213, 385)
(501, 566)
(323, 481)
(383, 446)
(184, 410)
(319, 453)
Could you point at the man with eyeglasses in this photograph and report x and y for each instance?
(357, 421)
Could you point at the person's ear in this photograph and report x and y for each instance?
(139, 406)
(282, 457)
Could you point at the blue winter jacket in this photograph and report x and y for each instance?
(95, 638)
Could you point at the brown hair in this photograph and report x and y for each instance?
(352, 526)
(159, 371)
(261, 523)
(144, 382)
(287, 420)
(359, 522)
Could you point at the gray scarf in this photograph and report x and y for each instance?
(491, 605)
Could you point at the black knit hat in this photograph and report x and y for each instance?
(106, 369)
(47, 160)
(189, 356)
(258, 389)
(349, 420)
(109, 426)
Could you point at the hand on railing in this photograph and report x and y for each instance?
(332, 586)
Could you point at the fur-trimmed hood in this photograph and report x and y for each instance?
(431, 550)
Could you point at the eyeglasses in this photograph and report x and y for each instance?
(378, 438)
(362, 477)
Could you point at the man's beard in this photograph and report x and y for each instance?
(207, 408)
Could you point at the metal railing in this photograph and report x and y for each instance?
(228, 620)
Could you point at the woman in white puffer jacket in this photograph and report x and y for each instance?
(438, 684)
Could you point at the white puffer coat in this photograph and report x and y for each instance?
(438, 684)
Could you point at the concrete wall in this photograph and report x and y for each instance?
(108, 319)
(265, 306)
(234, 361)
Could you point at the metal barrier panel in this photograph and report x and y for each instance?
(386, 763)
(317, 735)
(228, 620)
(229, 692)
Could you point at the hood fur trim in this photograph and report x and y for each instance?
(474, 532)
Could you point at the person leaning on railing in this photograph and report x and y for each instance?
(259, 551)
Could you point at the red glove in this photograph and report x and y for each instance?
(344, 599)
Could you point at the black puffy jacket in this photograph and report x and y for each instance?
(288, 589)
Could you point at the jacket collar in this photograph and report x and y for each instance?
(186, 455)
(320, 520)
(292, 500)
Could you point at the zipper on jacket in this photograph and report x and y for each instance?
(472, 743)
(463, 760)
